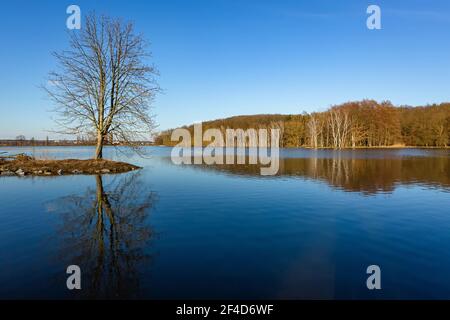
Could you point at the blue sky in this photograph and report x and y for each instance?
(220, 58)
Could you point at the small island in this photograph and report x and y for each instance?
(23, 165)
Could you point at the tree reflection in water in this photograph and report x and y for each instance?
(105, 232)
(365, 175)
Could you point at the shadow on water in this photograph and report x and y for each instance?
(105, 232)
(367, 176)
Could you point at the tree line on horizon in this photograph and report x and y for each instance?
(365, 123)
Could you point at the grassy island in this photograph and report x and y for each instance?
(23, 165)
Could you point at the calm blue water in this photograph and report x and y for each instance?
(226, 232)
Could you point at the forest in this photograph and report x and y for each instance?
(365, 123)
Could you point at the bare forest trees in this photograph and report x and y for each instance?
(365, 123)
(104, 85)
(339, 125)
(355, 124)
(314, 130)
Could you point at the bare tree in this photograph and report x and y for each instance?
(20, 140)
(313, 130)
(340, 124)
(104, 85)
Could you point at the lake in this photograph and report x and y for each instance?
(225, 231)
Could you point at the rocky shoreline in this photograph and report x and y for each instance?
(23, 165)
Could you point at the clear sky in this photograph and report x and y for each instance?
(219, 58)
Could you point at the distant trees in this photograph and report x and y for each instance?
(20, 140)
(314, 130)
(104, 85)
(339, 125)
(293, 132)
(426, 126)
(365, 123)
(355, 124)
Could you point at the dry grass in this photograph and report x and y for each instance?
(24, 165)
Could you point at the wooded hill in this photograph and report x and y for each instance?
(364, 123)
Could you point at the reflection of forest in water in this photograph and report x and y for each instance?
(365, 175)
(105, 232)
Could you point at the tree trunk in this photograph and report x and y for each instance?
(99, 148)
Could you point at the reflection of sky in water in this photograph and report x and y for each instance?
(227, 233)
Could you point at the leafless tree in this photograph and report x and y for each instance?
(104, 85)
(340, 124)
(313, 130)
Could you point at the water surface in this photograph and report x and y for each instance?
(224, 231)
